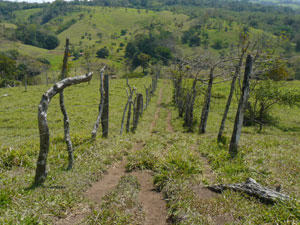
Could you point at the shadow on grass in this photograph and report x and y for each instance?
(34, 186)
(288, 129)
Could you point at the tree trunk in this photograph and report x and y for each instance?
(41, 170)
(206, 106)
(238, 124)
(96, 126)
(128, 116)
(63, 108)
(138, 110)
(105, 113)
(232, 88)
(191, 108)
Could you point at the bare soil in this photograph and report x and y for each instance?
(169, 124)
(153, 203)
(95, 193)
(157, 111)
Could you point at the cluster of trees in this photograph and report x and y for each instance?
(14, 68)
(36, 36)
(148, 48)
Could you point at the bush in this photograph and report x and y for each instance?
(102, 53)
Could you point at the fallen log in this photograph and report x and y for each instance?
(251, 187)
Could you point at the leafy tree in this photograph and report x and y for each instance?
(218, 44)
(144, 60)
(7, 70)
(278, 71)
(102, 53)
(164, 54)
(51, 42)
(265, 95)
(36, 36)
(195, 41)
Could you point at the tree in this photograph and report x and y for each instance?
(51, 42)
(102, 53)
(278, 71)
(7, 70)
(265, 95)
(195, 41)
(144, 60)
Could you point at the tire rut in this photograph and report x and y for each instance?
(156, 115)
(153, 203)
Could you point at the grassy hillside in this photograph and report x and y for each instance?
(174, 157)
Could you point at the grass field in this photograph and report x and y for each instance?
(177, 159)
(181, 164)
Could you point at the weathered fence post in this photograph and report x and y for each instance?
(41, 170)
(238, 123)
(146, 100)
(63, 108)
(232, 88)
(138, 109)
(96, 126)
(47, 81)
(206, 106)
(105, 113)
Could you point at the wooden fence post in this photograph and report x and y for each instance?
(100, 108)
(138, 109)
(63, 108)
(41, 169)
(238, 124)
(105, 113)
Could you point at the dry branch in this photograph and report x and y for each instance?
(251, 187)
(41, 170)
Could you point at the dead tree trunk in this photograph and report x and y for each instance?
(130, 92)
(232, 88)
(63, 109)
(251, 187)
(138, 110)
(41, 170)
(129, 115)
(206, 106)
(189, 114)
(147, 97)
(238, 124)
(96, 126)
(124, 113)
(105, 113)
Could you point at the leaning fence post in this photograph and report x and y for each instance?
(41, 169)
(63, 108)
(105, 113)
(238, 123)
(100, 108)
